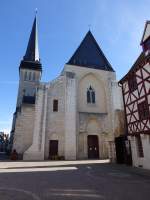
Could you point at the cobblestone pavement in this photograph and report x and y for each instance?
(102, 181)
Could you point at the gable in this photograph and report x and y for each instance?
(146, 33)
(135, 66)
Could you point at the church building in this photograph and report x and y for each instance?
(71, 117)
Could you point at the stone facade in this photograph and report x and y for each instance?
(73, 116)
(36, 125)
(24, 128)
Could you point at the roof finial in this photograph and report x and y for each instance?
(36, 10)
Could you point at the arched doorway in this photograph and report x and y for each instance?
(93, 147)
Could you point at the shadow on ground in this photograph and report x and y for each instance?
(75, 182)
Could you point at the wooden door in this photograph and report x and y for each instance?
(123, 150)
(93, 147)
(120, 150)
(53, 148)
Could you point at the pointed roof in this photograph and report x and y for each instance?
(134, 67)
(146, 33)
(32, 52)
(31, 60)
(89, 55)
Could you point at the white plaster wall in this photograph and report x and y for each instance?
(146, 149)
(147, 32)
(135, 159)
(138, 161)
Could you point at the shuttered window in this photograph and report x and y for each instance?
(143, 110)
(139, 146)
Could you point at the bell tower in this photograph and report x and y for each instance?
(30, 69)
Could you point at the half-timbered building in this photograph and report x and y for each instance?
(136, 94)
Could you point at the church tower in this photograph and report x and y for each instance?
(30, 69)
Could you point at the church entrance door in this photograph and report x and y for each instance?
(93, 147)
(53, 148)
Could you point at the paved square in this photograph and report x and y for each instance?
(73, 181)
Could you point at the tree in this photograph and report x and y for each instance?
(4, 141)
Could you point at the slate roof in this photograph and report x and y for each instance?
(32, 52)
(34, 65)
(31, 59)
(89, 55)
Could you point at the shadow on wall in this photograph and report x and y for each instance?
(120, 127)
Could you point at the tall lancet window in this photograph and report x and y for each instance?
(90, 95)
(25, 76)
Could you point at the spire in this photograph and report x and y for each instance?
(32, 52)
(90, 55)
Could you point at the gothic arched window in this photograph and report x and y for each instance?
(33, 76)
(90, 95)
(29, 76)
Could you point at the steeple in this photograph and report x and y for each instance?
(32, 52)
(31, 60)
(90, 55)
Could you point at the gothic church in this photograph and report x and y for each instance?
(71, 117)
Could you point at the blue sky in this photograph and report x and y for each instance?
(117, 26)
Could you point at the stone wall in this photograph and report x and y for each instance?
(70, 116)
(24, 128)
(27, 87)
(36, 150)
(75, 119)
(55, 128)
(104, 110)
